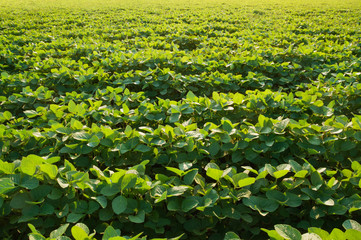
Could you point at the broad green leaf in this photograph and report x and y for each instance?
(288, 232)
(78, 233)
(110, 232)
(280, 173)
(72, 107)
(311, 236)
(19, 200)
(225, 137)
(82, 136)
(231, 236)
(7, 168)
(273, 234)
(31, 113)
(314, 140)
(246, 181)
(102, 201)
(276, 195)
(261, 204)
(301, 174)
(93, 141)
(352, 234)
(74, 217)
(110, 190)
(293, 200)
(142, 148)
(337, 234)
(129, 179)
(316, 179)
(125, 108)
(174, 204)
(36, 236)
(174, 117)
(190, 176)
(29, 182)
(29, 164)
(190, 95)
(50, 170)
(321, 233)
(214, 173)
(138, 218)
(351, 224)
(175, 170)
(60, 231)
(189, 203)
(214, 148)
(119, 204)
(176, 191)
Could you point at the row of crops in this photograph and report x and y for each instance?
(180, 120)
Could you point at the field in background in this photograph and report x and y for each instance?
(192, 119)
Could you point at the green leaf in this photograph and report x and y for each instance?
(78, 233)
(231, 236)
(72, 107)
(29, 182)
(129, 179)
(174, 117)
(215, 174)
(102, 201)
(81, 136)
(190, 176)
(357, 135)
(311, 236)
(36, 236)
(321, 233)
(276, 195)
(93, 141)
(314, 140)
(272, 234)
(214, 148)
(189, 203)
(301, 174)
(74, 217)
(225, 137)
(31, 113)
(316, 179)
(293, 200)
(139, 218)
(246, 181)
(176, 191)
(110, 190)
(175, 170)
(29, 164)
(50, 170)
(280, 173)
(288, 232)
(351, 224)
(261, 204)
(60, 231)
(190, 95)
(337, 234)
(352, 234)
(142, 148)
(110, 232)
(19, 201)
(125, 108)
(119, 204)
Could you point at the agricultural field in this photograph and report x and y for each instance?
(180, 119)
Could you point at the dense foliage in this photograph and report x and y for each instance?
(180, 120)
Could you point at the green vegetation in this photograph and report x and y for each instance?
(180, 120)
